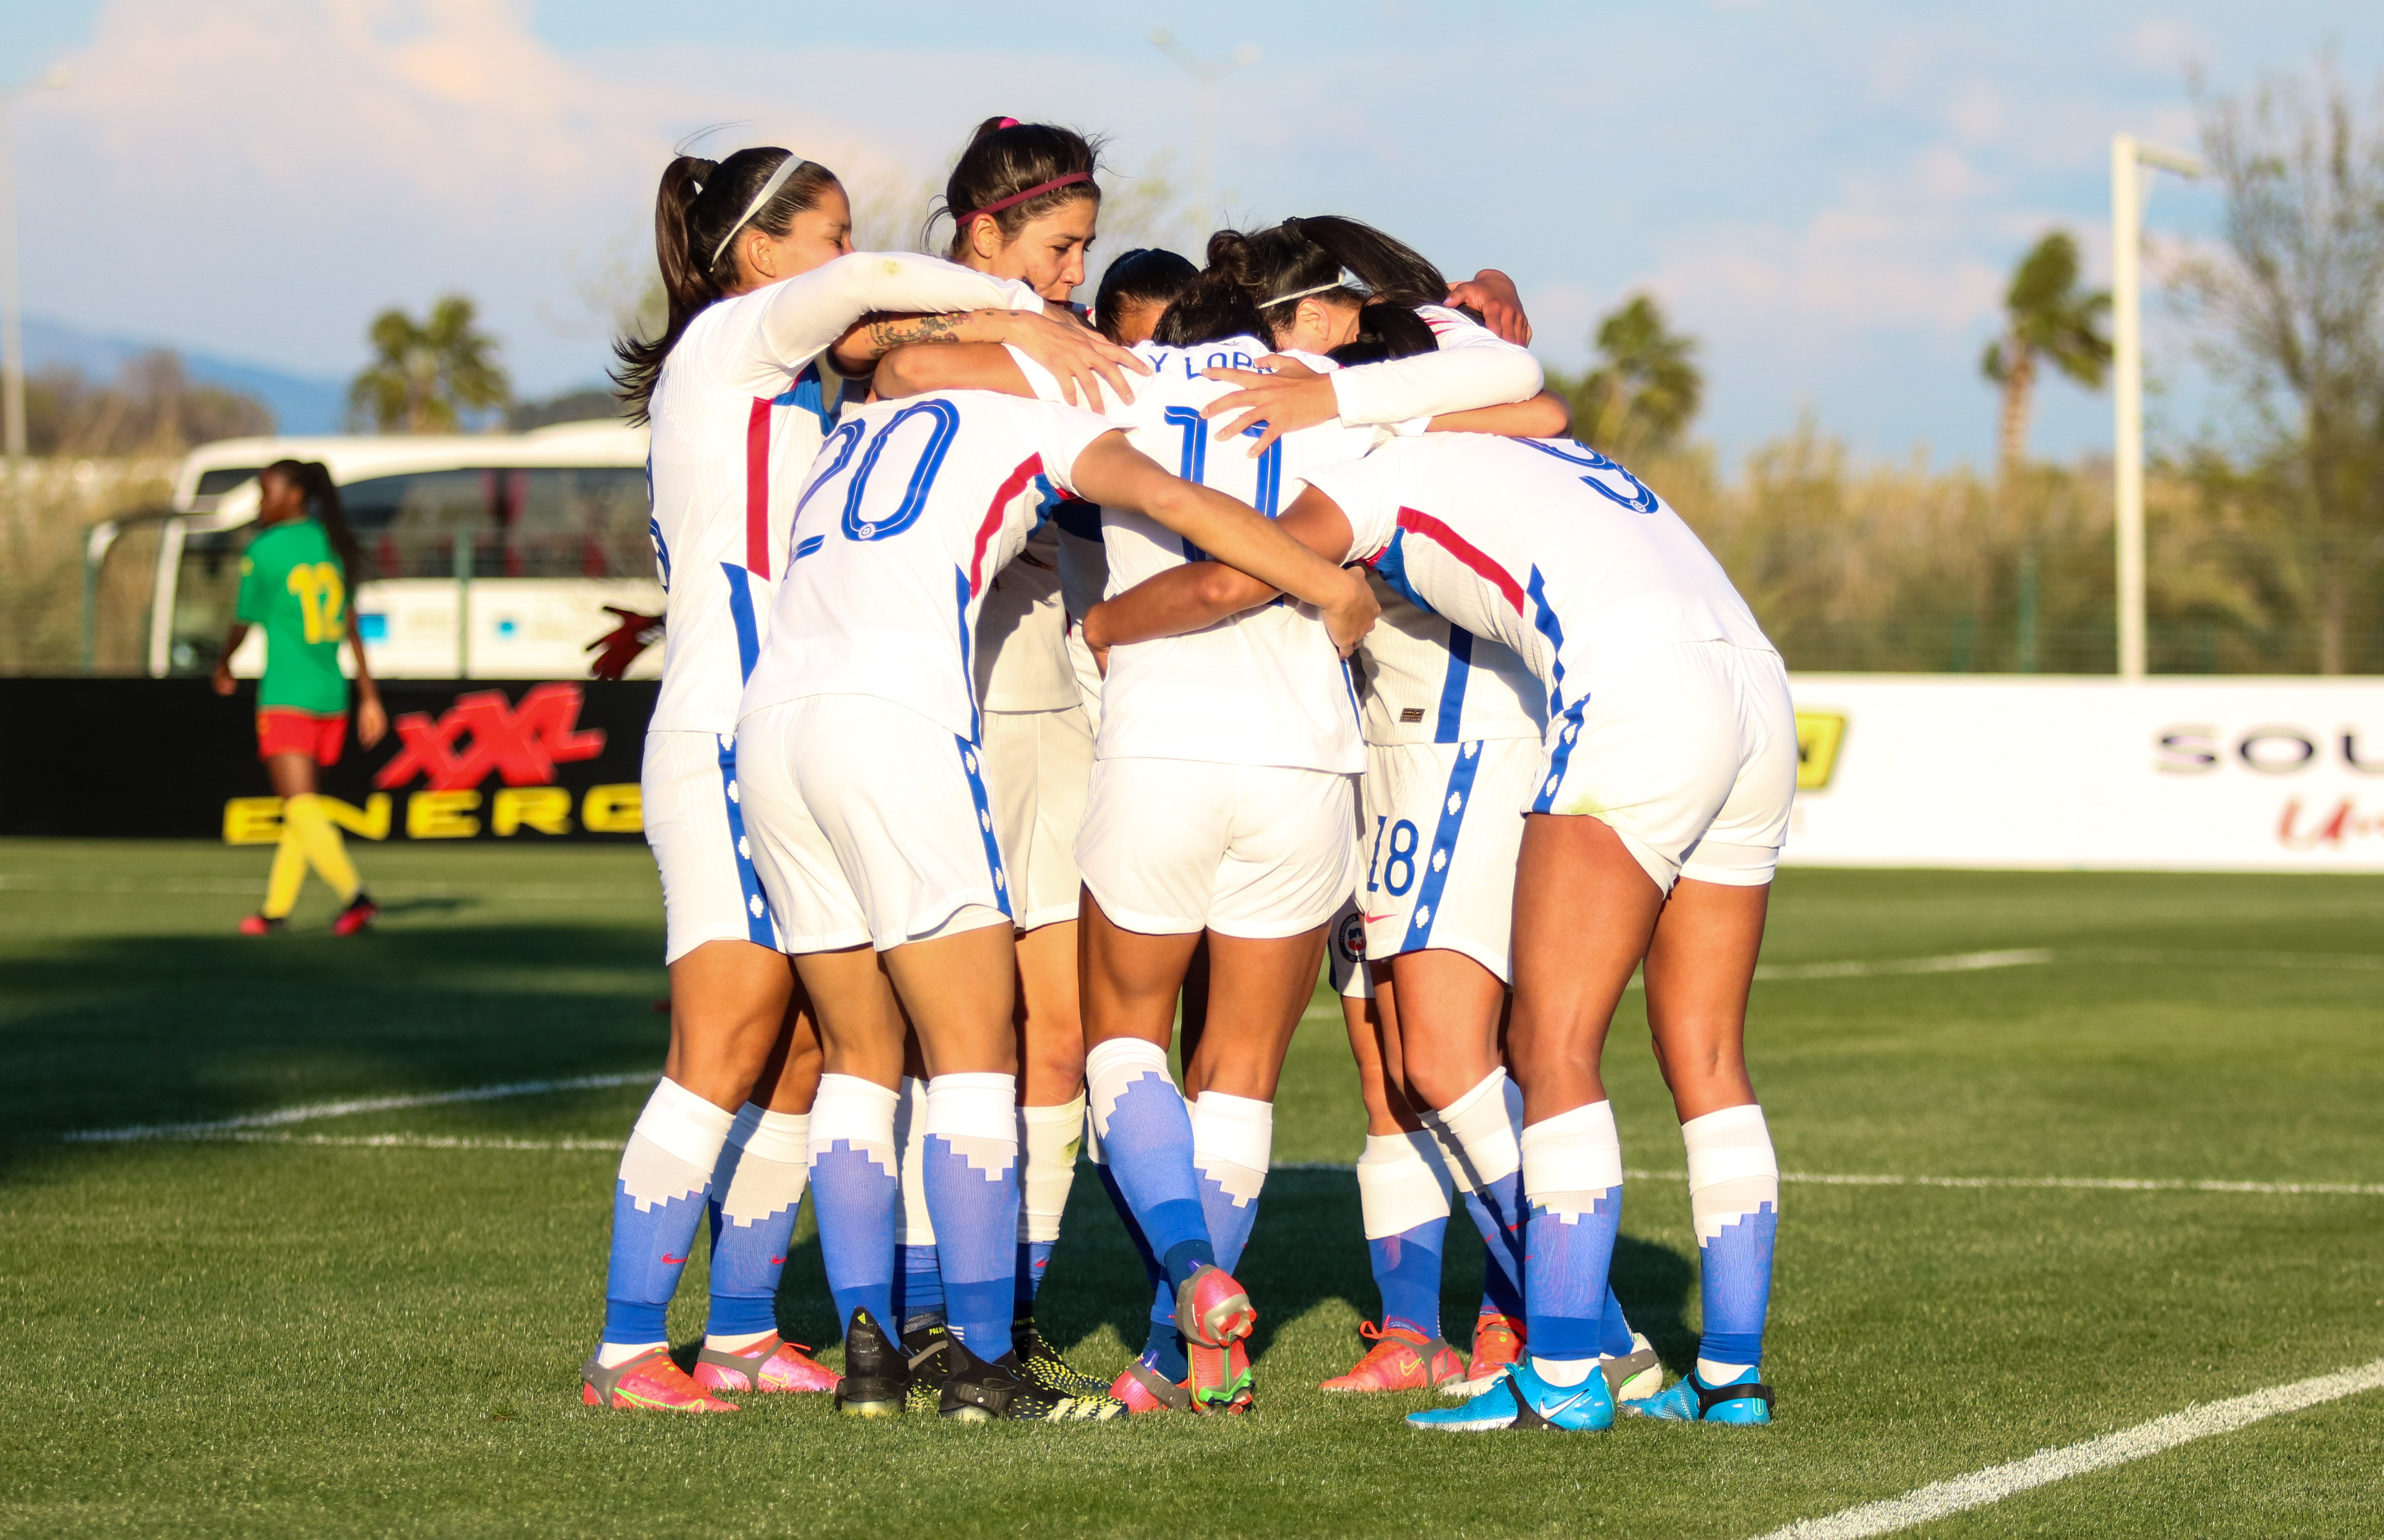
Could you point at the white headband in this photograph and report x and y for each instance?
(1347, 280)
(787, 167)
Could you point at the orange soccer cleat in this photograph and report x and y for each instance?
(650, 1380)
(1401, 1358)
(1497, 1342)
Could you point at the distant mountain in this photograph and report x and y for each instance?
(300, 405)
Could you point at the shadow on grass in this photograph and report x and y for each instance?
(118, 1031)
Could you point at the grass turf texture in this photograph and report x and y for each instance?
(287, 1339)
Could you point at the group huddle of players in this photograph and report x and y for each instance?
(1034, 686)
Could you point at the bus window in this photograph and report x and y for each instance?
(207, 592)
(408, 525)
(213, 484)
(577, 522)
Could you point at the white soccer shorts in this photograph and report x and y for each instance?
(1255, 850)
(869, 823)
(1443, 823)
(697, 829)
(1038, 771)
(1690, 756)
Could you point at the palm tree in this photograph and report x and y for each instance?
(425, 376)
(2047, 318)
(1645, 389)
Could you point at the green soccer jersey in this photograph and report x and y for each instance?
(292, 585)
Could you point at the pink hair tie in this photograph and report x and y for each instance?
(1039, 188)
(1007, 123)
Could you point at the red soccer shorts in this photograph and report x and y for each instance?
(281, 730)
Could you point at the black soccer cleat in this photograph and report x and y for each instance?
(876, 1372)
(930, 1359)
(978, 1391)
(1040, 1363)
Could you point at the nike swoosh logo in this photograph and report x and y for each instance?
(1568, 1403)
(1377, 919)
(777, 1261)
(669, 1260)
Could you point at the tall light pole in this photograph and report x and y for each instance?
(2128, 155)
(1205, 73)
(12, 324)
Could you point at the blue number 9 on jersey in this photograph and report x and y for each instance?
(864, 519)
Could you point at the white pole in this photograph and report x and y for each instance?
(2128, 400)
(12, 330)
(1205, 74)
(2128, 155)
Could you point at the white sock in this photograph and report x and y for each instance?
(1050, 1138)
(1112, 1066)
(763, 1171)
(860, 1113)
(1566, 1372)
(911, 1138)
(1477, 1133)
(1233, 1143)
(1401, 1183)
(1732, 1173)
(1573, 1160)
(976, 1113)
(670, 1157)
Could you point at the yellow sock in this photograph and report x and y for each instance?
(322, 844)
(289, 873)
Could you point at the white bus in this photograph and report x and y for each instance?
(491, 555)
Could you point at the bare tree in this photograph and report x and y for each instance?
(2298, 293)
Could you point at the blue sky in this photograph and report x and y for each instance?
(1828, 198)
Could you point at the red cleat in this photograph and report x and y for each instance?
(1497, 1342)
(261, 925)
(771, 1364)
(650, 1380)
(1142, 1389)
(1401, 1359)
(360, 912)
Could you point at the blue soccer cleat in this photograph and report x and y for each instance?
(1521, 1400)
(1745, 1401)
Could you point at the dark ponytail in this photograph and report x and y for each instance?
(1311, 254)
(1004, 158)
(698, 201)
(1386, 331)
(313, 479)
(1212, 309)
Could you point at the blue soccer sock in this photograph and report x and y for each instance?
(657, 1199)
(1613, 1331)
(1479, 1136)
(1162, 1348)
(971, 1159)
(1573, 1168)
(1034, 1257)
(1734, 1202)
(857, 1193)
(1146, 1133)
(1232, 1142)
(1403, 1204)
(756, 1189)
(918, 1288)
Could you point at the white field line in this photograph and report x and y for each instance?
(406, 1141)
(1942, 1499)
(311, 1111)
(2107, 1184)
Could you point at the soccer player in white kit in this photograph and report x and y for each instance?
(757, 260)
(858, 756)
(1653, 834)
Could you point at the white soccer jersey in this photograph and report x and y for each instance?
(908, 514)
(1265, 687)
(1540, 544)
(1473, 367)
(1428, 681)
(739, 414)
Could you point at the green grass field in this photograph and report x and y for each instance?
(334, 1339)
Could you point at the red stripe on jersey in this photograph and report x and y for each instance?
(1011, 485)
(757, 488)
(1464, 550)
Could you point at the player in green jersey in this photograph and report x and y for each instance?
(294, 582)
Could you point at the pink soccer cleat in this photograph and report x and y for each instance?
(1142, 1389)
(1401, 1358)
(1497, 1342)
(649, 1381)
(1211, 1310)
(771, 1364)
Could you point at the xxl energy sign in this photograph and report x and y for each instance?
(530, 761)
(2248, 774)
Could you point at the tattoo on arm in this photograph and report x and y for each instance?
(889, 332)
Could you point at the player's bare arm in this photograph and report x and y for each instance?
(1113, 472)
(1201, 593)
(1546, 416)
(372, 720)
(1077, 356)
(909, 371)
